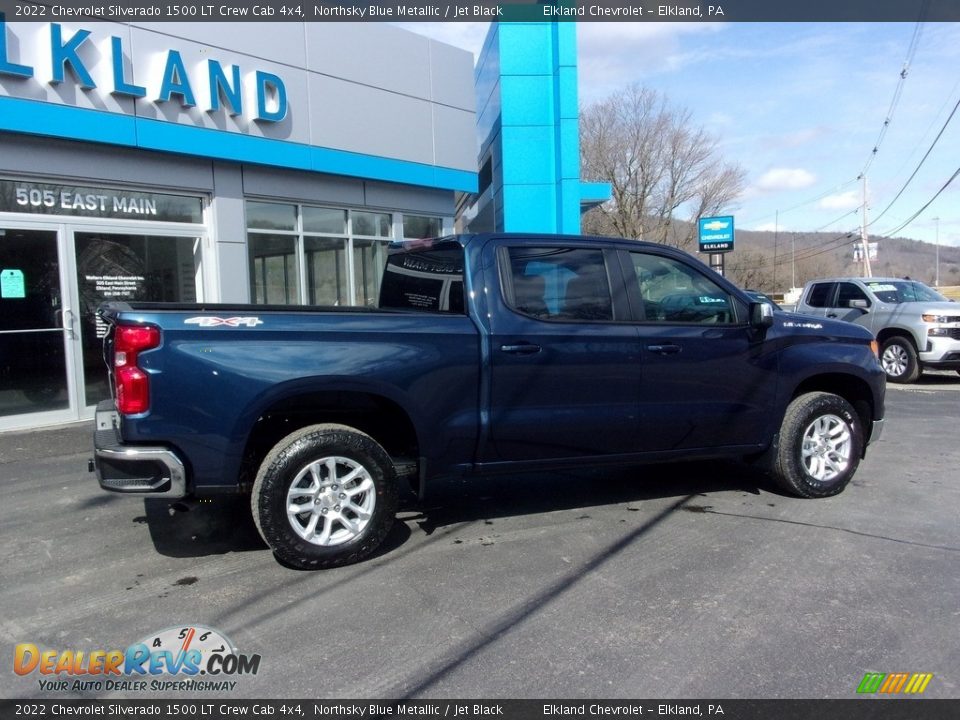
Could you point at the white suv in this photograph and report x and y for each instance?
(916, 326)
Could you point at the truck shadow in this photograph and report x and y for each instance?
(207, 528)
(488, 498)
(225, 525)
(220, 526)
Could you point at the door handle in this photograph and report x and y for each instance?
(664, 349)
(521, 349)
(831, 315)
(66, 320)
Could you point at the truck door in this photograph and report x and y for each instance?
(847, 306)
(708, 379)
(564, 358)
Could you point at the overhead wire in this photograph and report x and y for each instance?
(919, 165)
(919, 212)
(898, 90)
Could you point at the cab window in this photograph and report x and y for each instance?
(848, 292)
(557, 283)
(673, 292)
(820, 295)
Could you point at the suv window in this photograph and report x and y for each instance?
(820, 295)
(553, 283)
(849, 291)
(673, 292)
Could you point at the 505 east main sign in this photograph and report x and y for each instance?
(210, 85)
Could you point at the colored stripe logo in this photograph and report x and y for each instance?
(894, 683)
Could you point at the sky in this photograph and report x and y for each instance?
(800, 107)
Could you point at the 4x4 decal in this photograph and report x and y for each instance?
(207, 321)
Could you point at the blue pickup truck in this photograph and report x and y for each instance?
(485, 353)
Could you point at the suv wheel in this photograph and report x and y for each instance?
(325, 496)
(819, 446)
(899, 360)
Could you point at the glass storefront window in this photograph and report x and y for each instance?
(275, 276)
(372, 224)
(421, 226)
(369, 259)
(325, 220)
(271, 216)
(344, 252)
(326, 260)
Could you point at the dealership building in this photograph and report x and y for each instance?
(249, 163)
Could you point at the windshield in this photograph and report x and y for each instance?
(900, 291)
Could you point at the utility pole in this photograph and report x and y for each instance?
(793, 260)
(776, 233)
(867, 272)
(936, 282)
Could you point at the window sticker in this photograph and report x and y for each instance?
(12, 285)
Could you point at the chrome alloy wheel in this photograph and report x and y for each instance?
(331, 501)
(826, 448)
(895, 360)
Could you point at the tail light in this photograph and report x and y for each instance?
(132, 384)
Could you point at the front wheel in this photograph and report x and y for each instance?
(819, 446)
(325, 496)
(899, 360)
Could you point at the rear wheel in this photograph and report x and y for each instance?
(325, 495)
(819, 446)
(899, 360)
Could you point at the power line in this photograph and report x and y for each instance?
(919, 212)
(898, 90)
(919, 165)
(822, 195)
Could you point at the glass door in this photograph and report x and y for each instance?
(119, 266)
(35, 329)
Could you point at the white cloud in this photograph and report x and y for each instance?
(614, 54)
(786, 179)
(841, 201)
(767, 227)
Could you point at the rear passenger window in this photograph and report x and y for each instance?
(558, 284)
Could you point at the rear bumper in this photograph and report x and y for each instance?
(134, 469)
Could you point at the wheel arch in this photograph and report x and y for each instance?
(890, 332)
(851, 388)
(373, 413)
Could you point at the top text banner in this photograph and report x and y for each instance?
(485, 10)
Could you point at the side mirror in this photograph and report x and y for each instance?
(859, 304)
(761, 314)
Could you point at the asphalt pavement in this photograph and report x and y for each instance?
(670, 581)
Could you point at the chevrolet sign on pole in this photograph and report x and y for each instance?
(716, 234)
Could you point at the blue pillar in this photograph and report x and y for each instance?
(526, 83)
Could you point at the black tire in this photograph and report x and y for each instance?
(819, 446)
(358, 461)
(899, 360)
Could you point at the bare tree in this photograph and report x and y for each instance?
(661, 168)
(752, 270)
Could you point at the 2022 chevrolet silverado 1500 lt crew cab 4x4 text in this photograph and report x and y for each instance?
(486, 353)
(915, 325)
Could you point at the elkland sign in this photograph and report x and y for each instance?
(211, 86)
